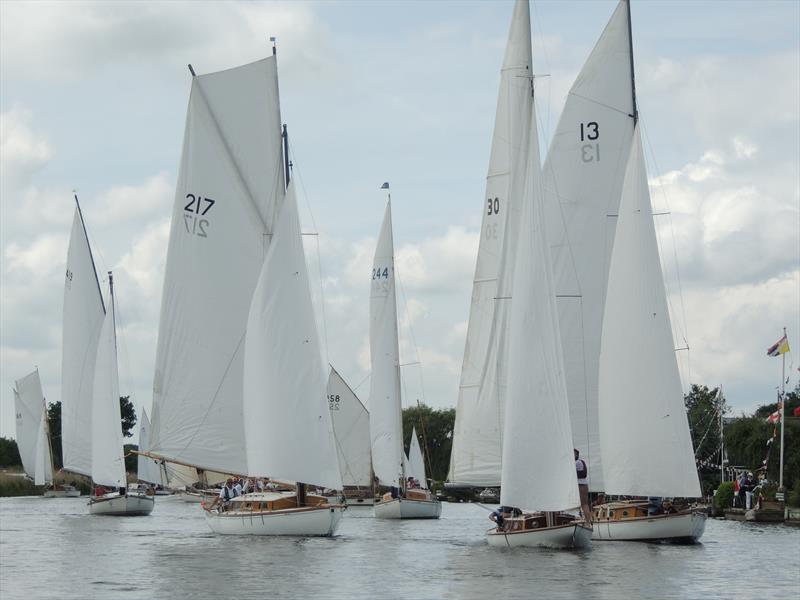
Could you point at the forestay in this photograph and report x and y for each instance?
(385, 413)
(32, 441)
(351, 430)
(230, 186)
(644, 431)
(583, 177)
(108, 464)
(82, 319)
(147, 469)
(416, 461)
(287, 423)
(477, 439)
(538, 465)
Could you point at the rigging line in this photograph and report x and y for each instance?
(362, 381)
(608, 106)
(411, 330)
(546, 128)
(662, 190)
(121, 336)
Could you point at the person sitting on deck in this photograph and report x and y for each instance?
(237, 486)
(501, 513)
(226, 494)
(583, 485)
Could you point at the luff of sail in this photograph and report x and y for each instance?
(644, 431)
(583, 177)
(538, 465)
(416, 461)
(32, 441)
(477, 438)
(82, 320)
(230, 186)
(287, 423)
(351, 429)
(108, 463)
(385, 412)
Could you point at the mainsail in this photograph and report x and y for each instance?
(351, 430)
(477, 439)
(32, 440)
(82, 319)
(538, 469)
(230, 187)
(641, 399)
(287, 423)
(583, 177)
(108, 463)
(385, 414)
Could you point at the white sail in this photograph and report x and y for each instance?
(583, 179)
(147, 469)
(229, 187)
(538, 464)
(416, 462)
(477, 440)
(108, 464)
(287, 423)
(82, 320)
(351, 429)
(385, 413)
(32, 440)
(644, 432)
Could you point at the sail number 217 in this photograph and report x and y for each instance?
(590, 132)
(195, 208)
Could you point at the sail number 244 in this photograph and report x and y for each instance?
(196, 208)
(590, 132)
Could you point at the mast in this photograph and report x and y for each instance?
(94, 267)
(286, 164)
(782, 408)
(633, 78)
(721, 440)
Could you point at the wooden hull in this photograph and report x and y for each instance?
(685, 527)
(114, 505)
(571, 535)
(317, 521)
(406, 508)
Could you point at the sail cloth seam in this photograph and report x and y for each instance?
(608, 106)
(229, 155)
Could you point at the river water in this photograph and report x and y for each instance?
(52, 548)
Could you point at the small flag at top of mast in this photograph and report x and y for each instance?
(385, 186)
(272, 39)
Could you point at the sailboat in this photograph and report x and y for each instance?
(112, 496)
(590, 174)
(385, 416)
(33, 440)
(287, 424)
(351, 429)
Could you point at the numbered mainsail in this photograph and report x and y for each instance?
(31, 420)
(82, 320)
(640, 395)
(583, 177)
(287, 423)
(230, 187)
(351, 430)
(385, 413)
(477, 439)
(108, 463)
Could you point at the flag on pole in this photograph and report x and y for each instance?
(779, 347)
(385, 185)
(774, 417)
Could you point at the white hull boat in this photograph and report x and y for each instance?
(407, 508)
(686, 527)
(130, 505)
(571, 535)
(320, 521)
(66, 492)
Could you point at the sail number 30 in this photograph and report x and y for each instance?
(197, 207)
(589, 132)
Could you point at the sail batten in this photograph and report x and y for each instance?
(230, 187)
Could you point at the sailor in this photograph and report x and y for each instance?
(583, 485)
(501, 513)
(226, 494)
(237, 488)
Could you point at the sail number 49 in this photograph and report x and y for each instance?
(197, 207)
(589, 132)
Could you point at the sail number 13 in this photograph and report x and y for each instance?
(195, 208)
(590, 132)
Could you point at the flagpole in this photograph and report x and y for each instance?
(783, 411)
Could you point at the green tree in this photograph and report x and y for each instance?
(54, 426)
(128, 415)
(435, 431)
(703, 409)
(9, 453)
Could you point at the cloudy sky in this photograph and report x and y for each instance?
(93, 98)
